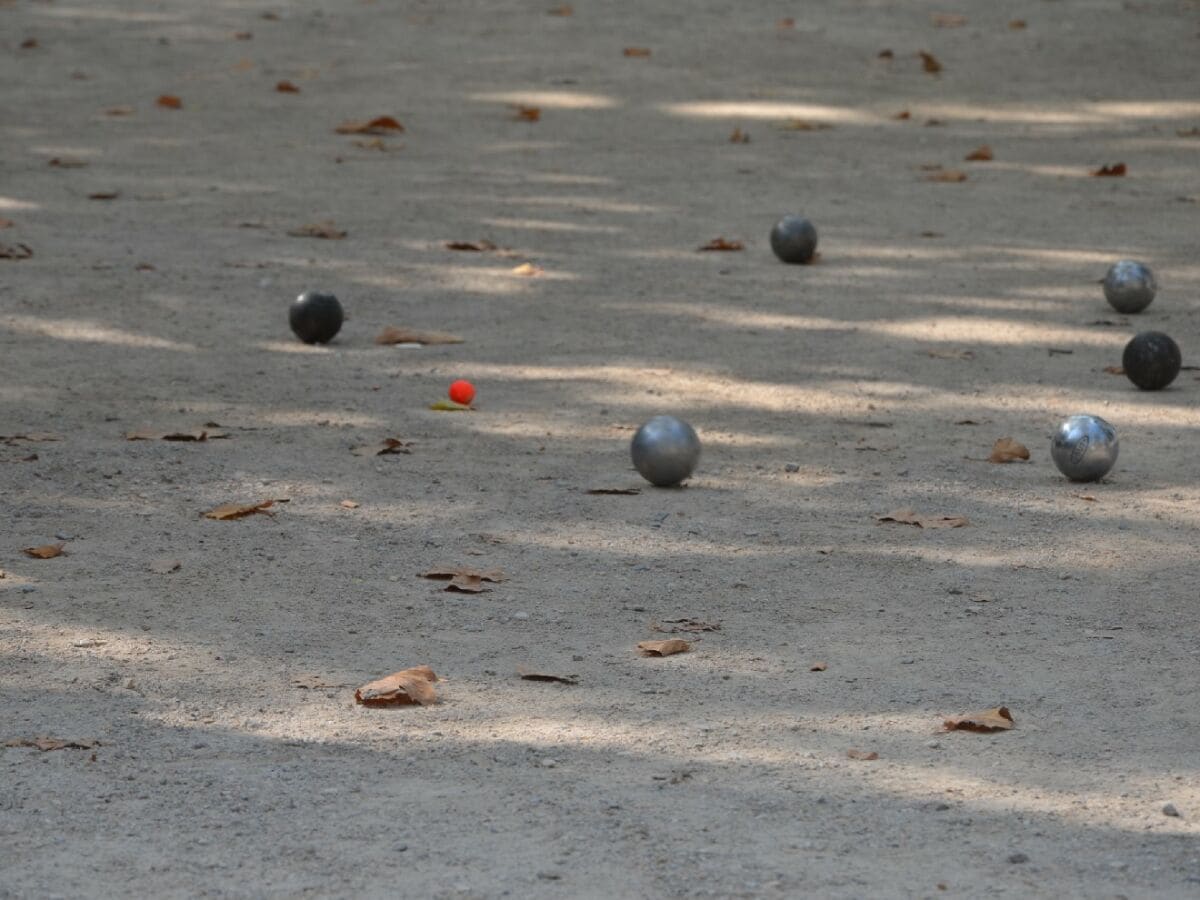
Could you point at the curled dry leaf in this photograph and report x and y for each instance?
(46, 551)
(165, 566)
(384, 448)
(528, 270)
(450, 406)
(984, 722)
(948, 20)
(66, 162)
(903, 116)
(104, 195)
(686, 626)
(393, 335)
(530, 675)
(240, 511)
(408, 687)
(664, 648)
(929, 62)
(886, 53)
(1086, 498)
(720, 244)
(324, 230)
(464, 576)
(637, 51)
(863, 755)
(982, 153)
(786, 24)
(818, 667)
(381, 125)
(1017, 24)
(908, 517)
(286, 87)
(48, 743)
(15, 251)
(804, 125)
(565, 10)
(737, 136)
(621, 492)
(527, 113)
(34, 437)
(1006, 450)
(169, 101)
(1116, 170)
(947, 176)
(470, 246)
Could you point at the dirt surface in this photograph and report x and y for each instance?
(233, 760)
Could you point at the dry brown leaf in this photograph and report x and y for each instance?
(984, 722)
(565, 10)
(29, 43)
(1006, 450)
(1086, 498)
(467, 584)
(623, 492)
(950, 354)
(929, 62)
(947, 176)
(864, 755)
(393, 335)
(169, 101)
(1016, 24)
(492, 575)
(165, 566)
(33, 437)
(530, 675)
(933, 123)
(1187, 132)
(349, 504)
(982, 153)
(15, 251)
(527, 113)
(199, 434)
(104, 195)
(886, 53)
(240, 511)
(383, 448)
(805, 125)
(1115, 370)
(1116, 170)
(470, 246)
(48, 743)
(786, 24)
(737, 136)
(46, 551)
(684, 626)
(144, 267)
(720, 244)
(903, 115)
(409, 687)
(324, 230)
(66, 162)
(637, 51)
(382, 125)
(119, 111)
(664, 648)
(7, 223)
(908, 517)
(948, 20)
(818, 667)
(528, 270)
(243, 35)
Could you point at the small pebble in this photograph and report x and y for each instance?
(28, 588)
(1170, 810)
(791, 467)
(521, 616)
(933, 745)
(549, 763)
(61, 536)
(1018, 858)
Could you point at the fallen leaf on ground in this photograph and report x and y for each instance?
(721, 244)
(684, 626)
(786, 24)
(932, 234)
(530, 675)
(948, 20)
(119, 111)
(49, 743)
(637, 51)
(383, 448)
(804, 125)
(450, 406)
(169, 101)
(393, 335)
(465, 581)
(1116, 170)
(908, 517)
(15, 251)
(349, 504)
(324, 230)
(29, 43)
(286, 87)
(1115, 370)
(623, 492)
(144, 267)
(36, 437)
(984, 722)
(933, 123)
(409, 687)
(947, 176)
(104, 195)
(46, 551)
(664, 648)
(527, 113)
(240, 511)
(147, 434)
(379, 125)
(864, 755)
(737, 136)
(7, 223)
(527, 270)
(1016, 24)
(165, 566)
(929, 62)
(818, 667)
(1006, 450)
(1086, 498)
(903, 115)
(470, 246)
(951, 354)
(982, 153)
(1187, 132)
(565, 10)
(66, 162)
(886, 53)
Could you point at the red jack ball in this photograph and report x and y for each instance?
(463, 392)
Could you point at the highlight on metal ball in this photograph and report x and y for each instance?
(665, 451)
(1084, 447)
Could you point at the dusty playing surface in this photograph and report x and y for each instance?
(942, 315)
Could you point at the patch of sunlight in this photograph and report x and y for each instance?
(548, 99)
(14, 203)
(766, 109)
(547, 225)
(89, 332)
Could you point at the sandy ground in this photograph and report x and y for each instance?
(233, 760)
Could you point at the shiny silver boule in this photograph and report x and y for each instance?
(794, 240)
(1084, 448)
(665, 451)
(1129, 286)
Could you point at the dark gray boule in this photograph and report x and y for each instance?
(315, 317)
(794, 239)
(1152, 360)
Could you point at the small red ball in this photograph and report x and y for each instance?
(462, 392)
